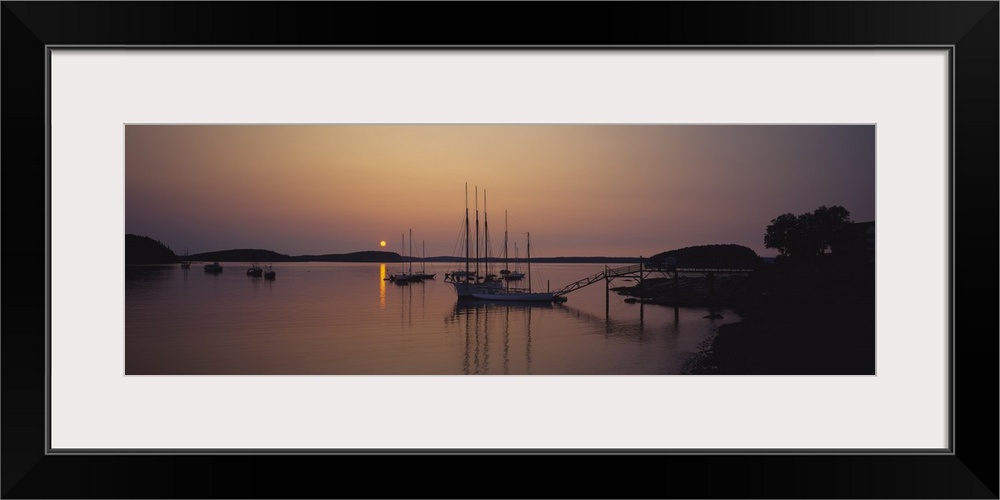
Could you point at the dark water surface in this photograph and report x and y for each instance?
(345, 319)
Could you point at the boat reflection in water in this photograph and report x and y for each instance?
(509, 323)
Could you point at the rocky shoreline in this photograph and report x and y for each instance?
(690, 291)
(791, 324)
(806, 341)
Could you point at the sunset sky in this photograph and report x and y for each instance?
(580, 190)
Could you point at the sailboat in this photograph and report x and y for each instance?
(423, 270)
(255, 270)
(185, 264)
(506, 273)
(516, 294)
(468, 282)
(516, 274)
(467, 273)
(405, 276)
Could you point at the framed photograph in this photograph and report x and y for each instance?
(729, 250)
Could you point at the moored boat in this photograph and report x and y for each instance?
(213, 268)
(423, 274)
(255, 270)
(518, 294)
(406, 276)
(506, 273)
(185, 264)
(516, 274)
(468, 289)
(468, 282)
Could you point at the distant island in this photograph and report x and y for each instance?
(258, 255)
(146, 250)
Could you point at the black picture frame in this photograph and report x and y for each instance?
(969, 28)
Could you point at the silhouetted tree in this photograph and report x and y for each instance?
(784, 234)
(808, 234)
(825, 226)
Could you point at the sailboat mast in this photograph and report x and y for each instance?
(477, 232)
(411, 252)
(402, 261)
(529, 262)
(466, 230)
(486, 235)
(506, 266)
(517, 259)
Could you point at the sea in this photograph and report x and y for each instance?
(348, 319)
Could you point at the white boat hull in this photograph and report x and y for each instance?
(515, 296)
(467, 290)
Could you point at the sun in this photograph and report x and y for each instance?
(381, 243)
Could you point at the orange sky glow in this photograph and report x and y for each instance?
(580, 190)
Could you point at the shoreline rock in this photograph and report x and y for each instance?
(820, 322)
(691, 291)
(817, 341)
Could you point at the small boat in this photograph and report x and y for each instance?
(516, 274)
(255, 270)
(186, 265)
(269, 273)
(404, 276)
(423, 274)
(213, 268)
(506, 273)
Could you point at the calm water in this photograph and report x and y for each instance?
(343, 318)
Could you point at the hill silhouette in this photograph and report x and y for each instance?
(710, 256)
(365, 256)
(696, 291)
(146, 250)
(259, 255)
(240, 255)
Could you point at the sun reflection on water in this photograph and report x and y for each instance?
(381, 286)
